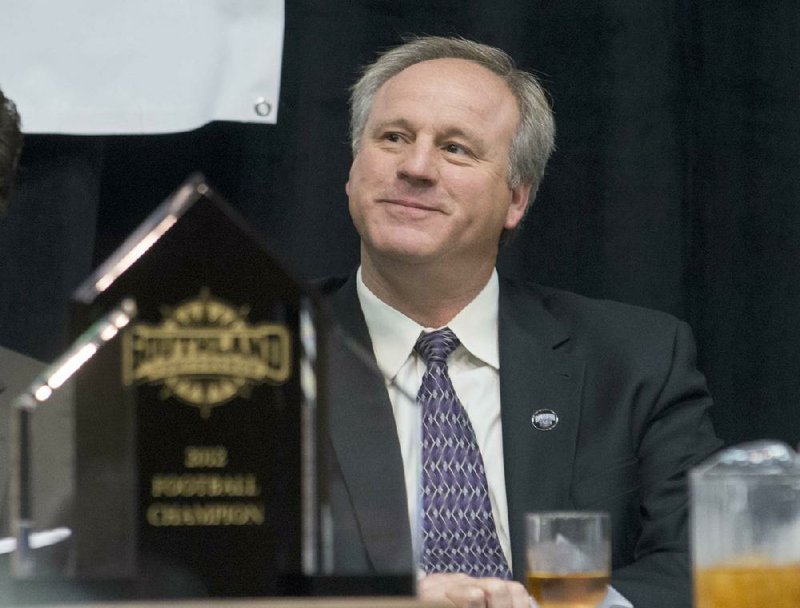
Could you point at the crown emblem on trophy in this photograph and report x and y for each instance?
(205, 353)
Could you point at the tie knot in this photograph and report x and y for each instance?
(437, 345)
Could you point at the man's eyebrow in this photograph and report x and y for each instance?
(396, 123)
(459, 132)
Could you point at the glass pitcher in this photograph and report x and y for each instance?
(745, 528)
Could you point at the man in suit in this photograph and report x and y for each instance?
(558, 401)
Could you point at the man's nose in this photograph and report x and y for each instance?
(419, 163)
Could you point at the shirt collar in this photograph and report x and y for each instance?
(393, 334)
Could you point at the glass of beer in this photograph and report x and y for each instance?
(569, 558)
(745, 532)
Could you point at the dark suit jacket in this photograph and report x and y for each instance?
(633, 419)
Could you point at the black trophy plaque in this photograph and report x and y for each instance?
(189, 432)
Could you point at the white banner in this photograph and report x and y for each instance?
(150, 66)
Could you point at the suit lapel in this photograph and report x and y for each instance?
(536, 372)
(364, 437)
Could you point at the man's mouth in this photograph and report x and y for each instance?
(409, 203)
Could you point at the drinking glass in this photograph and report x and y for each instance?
(569, 558)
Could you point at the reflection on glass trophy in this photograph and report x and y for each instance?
(42, 455)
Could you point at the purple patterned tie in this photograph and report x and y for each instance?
(458, 531)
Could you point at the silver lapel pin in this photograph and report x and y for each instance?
(544, 420)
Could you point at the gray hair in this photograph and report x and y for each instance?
(533, 141)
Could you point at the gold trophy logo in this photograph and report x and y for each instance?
(205, 353)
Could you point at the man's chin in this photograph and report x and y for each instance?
(403, 253)
(415, 258)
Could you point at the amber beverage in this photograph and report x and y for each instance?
(572, 590)
(748, 586)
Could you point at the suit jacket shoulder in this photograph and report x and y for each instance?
(589, 319)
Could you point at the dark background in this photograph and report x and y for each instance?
(675, 184)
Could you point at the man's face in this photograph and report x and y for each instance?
(430, 179)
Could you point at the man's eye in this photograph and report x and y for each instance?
(393, 137)
(455, 149)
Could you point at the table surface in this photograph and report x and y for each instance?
(341, 602)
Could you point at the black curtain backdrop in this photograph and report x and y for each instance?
(675, 184)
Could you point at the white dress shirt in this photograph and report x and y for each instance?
(474, 368)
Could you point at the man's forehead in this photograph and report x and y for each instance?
(441, 85)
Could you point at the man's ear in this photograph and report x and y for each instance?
(518, 206)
